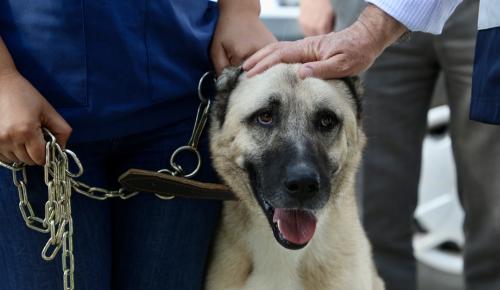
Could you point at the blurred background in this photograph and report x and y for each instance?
(438, 239)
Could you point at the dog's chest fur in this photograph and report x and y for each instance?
(274, 267)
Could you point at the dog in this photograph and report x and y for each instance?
(288, 148)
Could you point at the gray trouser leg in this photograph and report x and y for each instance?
(398, 89)
(477, 153)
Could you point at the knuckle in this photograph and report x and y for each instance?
(38, 153)
(23, 132)
(66, 130)
(17, 133)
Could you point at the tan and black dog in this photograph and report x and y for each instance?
(289, 149)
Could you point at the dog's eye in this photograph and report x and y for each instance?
(265, 118)
(326, 122)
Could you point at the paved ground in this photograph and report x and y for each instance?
(430, 279)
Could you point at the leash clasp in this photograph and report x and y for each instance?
(206, 91)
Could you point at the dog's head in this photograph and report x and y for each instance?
(287, 147)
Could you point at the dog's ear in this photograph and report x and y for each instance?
(356, 91)
(226, 82)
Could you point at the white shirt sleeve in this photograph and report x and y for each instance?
(419, 15)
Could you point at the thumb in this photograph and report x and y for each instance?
(56, 125)
(325, 69)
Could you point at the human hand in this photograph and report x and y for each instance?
(316, 17)
(334, 55)
(239, 34)
(23, 114)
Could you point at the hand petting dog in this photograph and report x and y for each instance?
(239, 33)
(334, 55)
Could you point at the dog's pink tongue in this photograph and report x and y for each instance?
(296, 226)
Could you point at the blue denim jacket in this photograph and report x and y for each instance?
(112, 67)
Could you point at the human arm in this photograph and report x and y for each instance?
(354, 49)
(316, 17)
(23, 114)
(239, 33)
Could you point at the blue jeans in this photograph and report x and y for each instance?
(140, 244)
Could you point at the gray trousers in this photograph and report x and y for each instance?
(398, 90)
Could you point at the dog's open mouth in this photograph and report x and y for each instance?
(293, 228)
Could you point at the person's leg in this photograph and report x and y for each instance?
(398, 90)
(476, 148)
(21, 266)
(161, 244)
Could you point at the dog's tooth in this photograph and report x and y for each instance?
(275, 218)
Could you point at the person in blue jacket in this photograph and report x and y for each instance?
(115, 81)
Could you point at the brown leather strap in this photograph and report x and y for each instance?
(168, 185)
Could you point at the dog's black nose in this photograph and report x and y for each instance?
(302, 181)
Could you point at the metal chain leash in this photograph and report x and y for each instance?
(60, 181)
(57, 220)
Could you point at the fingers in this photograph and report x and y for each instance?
(9, 158)
(13, 144)
(332, 68)
(283, 52)
(56, 125)
(22, 155)
(219, 58)
(35, 147)
(264, 64)
(259, 55)
(5, 159)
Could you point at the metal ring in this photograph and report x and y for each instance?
(205, 77)
(13, 166)
(186, 148)
(78, 164)
(49, 135)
